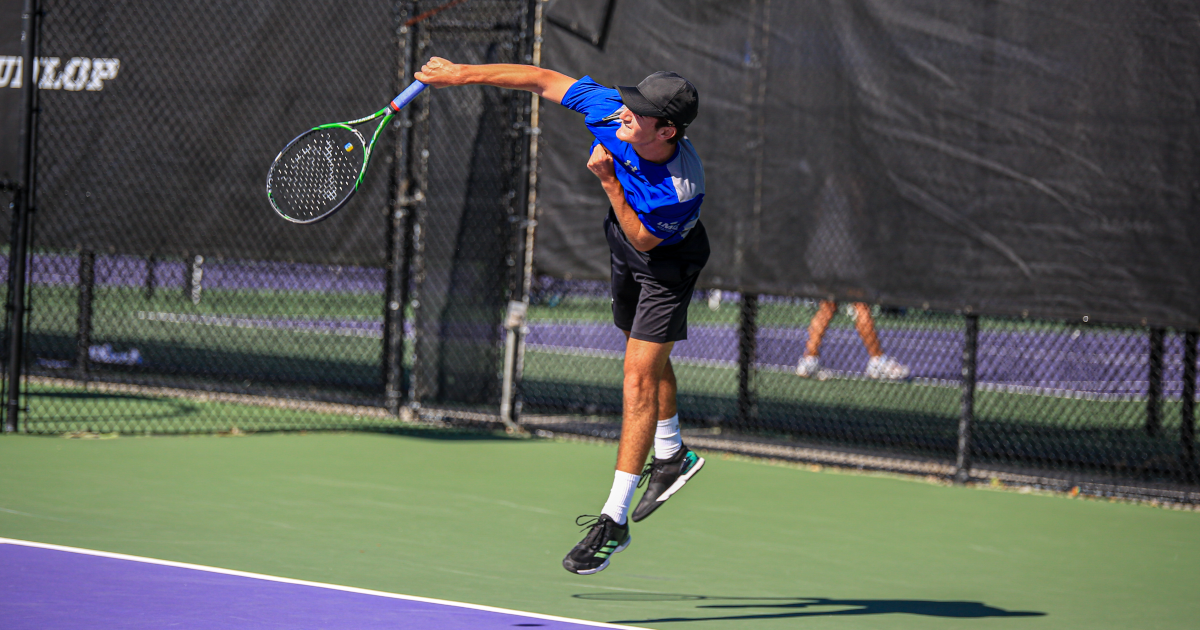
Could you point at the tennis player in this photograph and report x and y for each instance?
(655, 184)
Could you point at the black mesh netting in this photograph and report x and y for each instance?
(1010, 157)
(157, 265)
(170, 155)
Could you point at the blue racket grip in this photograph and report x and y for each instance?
(407, 95)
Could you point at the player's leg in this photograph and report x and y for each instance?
(667, 387)
(663, 314)
(880, 365)
(666, 436)
(667, 441)
(645, 363)
(674, 464)
(810, 364)
(607, 534)
(650, 298)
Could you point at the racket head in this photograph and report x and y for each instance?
(316, 173)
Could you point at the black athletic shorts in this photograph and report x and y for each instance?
(651, 290)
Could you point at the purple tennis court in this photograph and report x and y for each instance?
(48, 586)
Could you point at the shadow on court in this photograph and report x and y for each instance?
(54, 413)
(794, 607)
(156, 408)
(479, 434)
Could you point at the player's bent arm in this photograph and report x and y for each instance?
(641, 239)
(547, 84)
(601, 165)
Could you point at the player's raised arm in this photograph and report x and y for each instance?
(548, 84)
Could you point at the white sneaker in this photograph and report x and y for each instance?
(886, 368)
(808, 367)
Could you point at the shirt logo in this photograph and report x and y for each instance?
(630, 166)
(669, 226)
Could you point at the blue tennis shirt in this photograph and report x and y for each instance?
(667, 196)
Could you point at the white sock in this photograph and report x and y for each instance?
(620, 496)
(666, 438)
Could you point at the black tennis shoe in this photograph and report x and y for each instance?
(592, 553)
(666, 477)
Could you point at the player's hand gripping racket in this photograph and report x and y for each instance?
(318, 172)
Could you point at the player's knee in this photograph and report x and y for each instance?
(640, 384)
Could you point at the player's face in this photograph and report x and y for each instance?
(635, 129)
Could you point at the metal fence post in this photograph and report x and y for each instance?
(83, 333)
(400, 234)
(22, 209)
(747, 403)
(514, 343)
(194, 283)
(1187, 420)
(1154, 385)
(514, 323)
(396, 297)
(17, 269)
(962, 465)
(151, 264)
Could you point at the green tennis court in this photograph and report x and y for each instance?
(484, 519)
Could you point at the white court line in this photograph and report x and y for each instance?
(333, 587)
(267, 323)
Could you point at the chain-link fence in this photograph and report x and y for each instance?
(1064, 398)
(157, 265)
(469, 236)
(161, 282)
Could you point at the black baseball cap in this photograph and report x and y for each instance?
(663, 95)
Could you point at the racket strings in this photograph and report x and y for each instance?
(317, 172)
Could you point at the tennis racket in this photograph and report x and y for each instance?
(318, 172)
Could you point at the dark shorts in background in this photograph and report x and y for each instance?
(651, 290)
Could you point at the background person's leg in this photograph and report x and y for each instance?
(809, 365)
(817, 327)
(866, 329)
